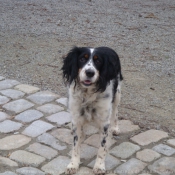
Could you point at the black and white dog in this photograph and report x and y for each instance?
(94, 85)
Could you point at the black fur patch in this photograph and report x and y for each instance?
(106, 128)
(103, 142)
(75, 139)
(82, 111)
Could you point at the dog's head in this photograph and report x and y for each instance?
(91, 67)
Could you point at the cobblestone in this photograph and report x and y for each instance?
(29, 171)
(26, 158)
(27, 88)
(50, 108)
(14, 94)
(164, 149)
(148, 137)
(37, 128)
(3, 100)
(3, 116)
(127, 126)
(171, 142)
(1, 78)
(42, 97)
(9, 126)
(8, 173)
(13, 142)
(18, 106)
(7, 162)
(29, 116)
(6, 84)
(62, 101)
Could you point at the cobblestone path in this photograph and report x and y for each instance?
(35, 138)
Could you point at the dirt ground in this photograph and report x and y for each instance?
(35, 34)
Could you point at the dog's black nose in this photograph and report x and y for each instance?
(90, 73)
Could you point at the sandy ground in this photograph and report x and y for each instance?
(36, 34)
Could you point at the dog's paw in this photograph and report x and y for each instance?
(99, 169)
(115, 130)
(72, 168)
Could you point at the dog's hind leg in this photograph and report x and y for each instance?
(114, 117)
(75, 160)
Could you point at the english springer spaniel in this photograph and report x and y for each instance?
(94, 88)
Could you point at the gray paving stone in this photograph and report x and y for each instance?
(127, 126)
(9, 126)
(29, 171)
(18, 106)
(87, 152)
(29, 116)
(50, 108)
(3, 100)
(53, 168)
(90, 129)
(27, 88)
(42, 97)
(110, 162)
(6, 84)
(7, 162)
(8, 173)
(14, 94)
(63, 135)
(51, 141)
(131, 167)
(84, 171)
(37, 128)
(171, 142)
(163, 166)
(1, 78)
(62, 101)
(26, 158)
(147, 155)
(124, 150)
(42, 150)
(3, 116)
(13, 142)
(164, 149)
(60, 118)
(149, 136)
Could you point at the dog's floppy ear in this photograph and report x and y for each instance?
(70, 66)
(110, 70)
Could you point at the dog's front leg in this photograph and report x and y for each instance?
(99, 167)
(75, 160)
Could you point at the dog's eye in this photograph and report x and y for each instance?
(97, 61)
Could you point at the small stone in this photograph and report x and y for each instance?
(147, 155)
(3, 116)
(3, 100)
(7, 162)
(9, 126)
(149, 136)
(50, 108)
(13, 142)
(27, 158)
(86, 152)
(124, 150)
(8, 173)
(37, 128)
(90, 129)
(14, 94)
(42, 97)
(29, 171)
(51, 141)
(18, 106)
(84, 171)
(42, 150)
(53, 168)
(62, 101)
(131, 167)
(1, 78)
(171, 142)
(163, 166)
(126, 126)
(61, 118)
(110, 162)
(27, 88)
(6, 84)
(29, 116)
(164, 149)
(63, 135)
